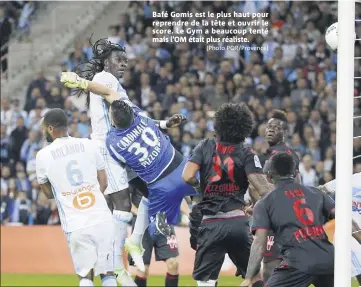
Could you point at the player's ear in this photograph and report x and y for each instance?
(106, 64)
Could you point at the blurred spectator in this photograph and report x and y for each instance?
(17, 138)
(307, 171)
(29, 146)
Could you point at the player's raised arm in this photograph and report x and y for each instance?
(72, 80)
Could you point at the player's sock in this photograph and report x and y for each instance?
(109, 281)
(141, 223)
(171, 280)
(86, 282)
(258, 284)
(121, 220)
(140, 281)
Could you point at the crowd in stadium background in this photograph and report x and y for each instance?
(297, 74)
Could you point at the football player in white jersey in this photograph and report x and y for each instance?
(107, 66)
(72, 171)
(330, 188)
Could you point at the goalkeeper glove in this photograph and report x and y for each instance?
(72, 80)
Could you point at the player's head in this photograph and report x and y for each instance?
(55, 124)
(233, 123)
(281, 166)
(121, 114)
(276, 129)
(108, 57)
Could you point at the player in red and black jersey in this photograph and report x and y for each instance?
(296, 214)
(226, 167)
(276, 134)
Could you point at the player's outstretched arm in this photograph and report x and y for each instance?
(72, 80)
(173, 122)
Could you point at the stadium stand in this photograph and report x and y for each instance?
(297, 74)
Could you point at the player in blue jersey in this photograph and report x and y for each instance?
(137, 141)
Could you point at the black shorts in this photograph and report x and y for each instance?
(216, 237)
(291, 277)
(165, 247)
(272, 251)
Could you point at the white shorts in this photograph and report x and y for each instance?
(92, 248)
(116, 174)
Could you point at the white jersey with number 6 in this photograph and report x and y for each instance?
(70, 165)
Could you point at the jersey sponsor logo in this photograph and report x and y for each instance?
(225, 189)
(270, 242)
(310, 233)
(79, 190)
(172, 242)
(257, 162)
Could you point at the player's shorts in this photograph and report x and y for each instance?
(165, 247)
(167, 194)
(272, 251)
(355, 257)
(92, 248)
(291, 277)
(116, 174)
(216, 238)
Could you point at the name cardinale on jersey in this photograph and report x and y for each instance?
(131, 137)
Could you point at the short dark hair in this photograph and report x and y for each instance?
(282, 164)
(122, 114)
(56, 118)
(279, 115)
(233, 123)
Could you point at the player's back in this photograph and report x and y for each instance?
(223, 173)
(297, 215)
(99, 110)
(70, 165)
(142, 146)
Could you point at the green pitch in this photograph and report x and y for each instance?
(72, 280)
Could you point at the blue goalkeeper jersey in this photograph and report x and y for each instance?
(142, 146)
